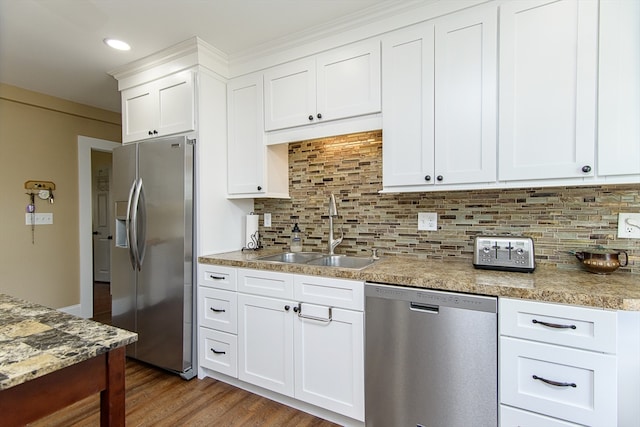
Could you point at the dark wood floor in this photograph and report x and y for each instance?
(157, 398)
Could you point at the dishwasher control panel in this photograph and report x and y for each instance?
(509, 253)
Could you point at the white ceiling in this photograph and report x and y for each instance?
(56, 46)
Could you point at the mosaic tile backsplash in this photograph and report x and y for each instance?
(559, 219)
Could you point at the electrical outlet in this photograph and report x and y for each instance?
(428, 221)
(267, 220)
(629, 225)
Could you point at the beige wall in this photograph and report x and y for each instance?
(38, 141)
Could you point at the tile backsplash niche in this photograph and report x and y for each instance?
(559, 219)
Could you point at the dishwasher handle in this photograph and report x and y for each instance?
(426, 308)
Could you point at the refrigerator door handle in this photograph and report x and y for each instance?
(133, 243)
(141, 239)
(132, 257)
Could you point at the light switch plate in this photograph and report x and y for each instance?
(629, 225)
(267, 220)
(40, 218)
(428, 221)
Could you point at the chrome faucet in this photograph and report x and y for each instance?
(333, 211)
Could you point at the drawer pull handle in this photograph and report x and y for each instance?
(218, 352)
(554, 325)
(217, 310)
(211, 276)
(554, 383)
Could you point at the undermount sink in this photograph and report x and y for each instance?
(344, 261)
(292, 257)
(314, 258)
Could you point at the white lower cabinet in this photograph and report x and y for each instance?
(266, 343)
(299, 336)
(566, 365)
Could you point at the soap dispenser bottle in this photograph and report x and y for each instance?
(296, 239)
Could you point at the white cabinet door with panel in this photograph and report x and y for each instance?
(439, 102)
(465, 96)
(163, 107)
(329, 358)
(343, 82)
(548, 81)
(265, 342)
(619, 89)
(254, 168)
(407, 102)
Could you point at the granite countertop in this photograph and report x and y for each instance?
(617, 291)
(37, 340)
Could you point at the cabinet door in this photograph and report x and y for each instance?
(548, 67)
(329, 359)
(348, 81)
(176, 104)
(265, 342)
(290, 95)
(139, 112)
(465, 96)
(245, 143)
(619, 88)
(407, 102)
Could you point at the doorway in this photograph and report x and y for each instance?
(102, 223)
(86, 146)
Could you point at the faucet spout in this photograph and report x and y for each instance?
(333, 211)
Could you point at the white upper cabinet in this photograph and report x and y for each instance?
(465, 96)
(548, 78)
(254, 169)
(163, 107)
(341, 83)
(619, 88)
(407, 103)
(439, 102)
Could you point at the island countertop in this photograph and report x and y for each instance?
(37, 340)
(617, 291)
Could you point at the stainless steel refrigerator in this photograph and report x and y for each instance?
(152, 258)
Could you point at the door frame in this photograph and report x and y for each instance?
(85, 236)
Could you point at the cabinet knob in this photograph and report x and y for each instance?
(155, 132)
(439, 177)
(150, 133)
(259, 188)
(586, 169)
(286, 308)
(319, 115)
(310, 118)
(427, 178)
(295, 309)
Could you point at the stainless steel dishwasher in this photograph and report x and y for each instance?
(431, 358)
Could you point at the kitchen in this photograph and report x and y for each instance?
(560, 219)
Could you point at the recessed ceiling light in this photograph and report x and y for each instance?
(117, 44)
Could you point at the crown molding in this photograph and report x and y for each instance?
(181, 56)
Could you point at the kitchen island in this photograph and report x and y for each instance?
(50, 359)
(616, 291)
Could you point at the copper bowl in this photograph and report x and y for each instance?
(600, 261)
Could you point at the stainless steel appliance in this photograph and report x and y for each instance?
(431, 358)
(509, 253)
(152, 259)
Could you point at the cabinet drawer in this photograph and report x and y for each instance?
(580, 327)
(328, 291)
(218, 310)
(512, 417)
(219, 352)
(265, 283)
(217, 276)
(593, 399)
